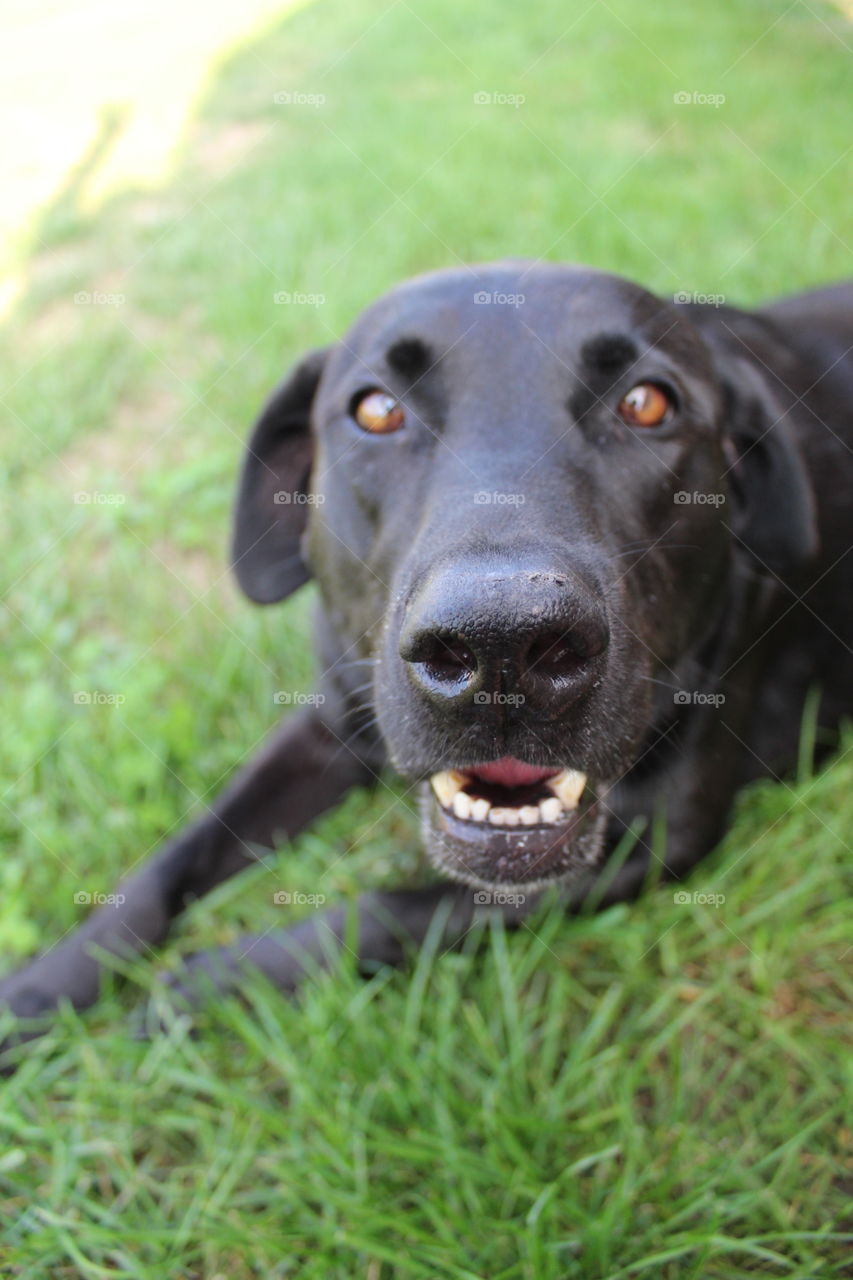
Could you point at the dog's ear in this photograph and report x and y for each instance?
(271, 511)
(773, 517)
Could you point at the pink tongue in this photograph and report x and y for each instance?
(510, 773)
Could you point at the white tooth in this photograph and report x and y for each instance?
(480, 810)
(528, 815)
(551, 809)
(446, 785)
(504, 817)
(462, 804)
(568, 787)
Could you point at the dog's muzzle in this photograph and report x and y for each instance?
(510, 823)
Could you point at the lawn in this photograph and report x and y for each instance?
(662, 1090)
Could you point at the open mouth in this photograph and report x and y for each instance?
(509, 793)
(508, 822)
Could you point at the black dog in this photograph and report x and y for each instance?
(581, 554)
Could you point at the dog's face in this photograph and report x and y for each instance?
(520, 490)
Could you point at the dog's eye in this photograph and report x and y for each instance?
(378, 413)
(645, 405)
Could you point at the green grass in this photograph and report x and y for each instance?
(663, 1090)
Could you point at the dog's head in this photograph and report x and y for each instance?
(521, 490)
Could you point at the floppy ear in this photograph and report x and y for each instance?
(773, 514)
(271, 511)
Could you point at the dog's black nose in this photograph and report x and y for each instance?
(526, 637)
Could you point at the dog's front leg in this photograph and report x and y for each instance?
(304, 769)
(386, 926)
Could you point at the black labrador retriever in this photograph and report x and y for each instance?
(581, 553)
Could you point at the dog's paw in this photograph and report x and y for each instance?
(181, 994)
(25, 1009)
(23, 998)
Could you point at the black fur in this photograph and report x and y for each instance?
(676, 640)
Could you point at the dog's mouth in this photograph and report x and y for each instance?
(508, 822)
(510, 793)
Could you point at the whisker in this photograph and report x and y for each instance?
(665, 546)
(362, 688)
(664, 684)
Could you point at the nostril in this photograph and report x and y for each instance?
(450, 661)
(445, 660)
(554, 656)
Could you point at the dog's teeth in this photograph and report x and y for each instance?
(551, 809)
(446, 785)
(568, 787)
(504, 817)
(480, 810)
(462, 804)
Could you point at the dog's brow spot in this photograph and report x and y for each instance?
(409, 357)
(608, 352)
(580, 403)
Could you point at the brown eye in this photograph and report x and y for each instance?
(645, 405)
(378, 413)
